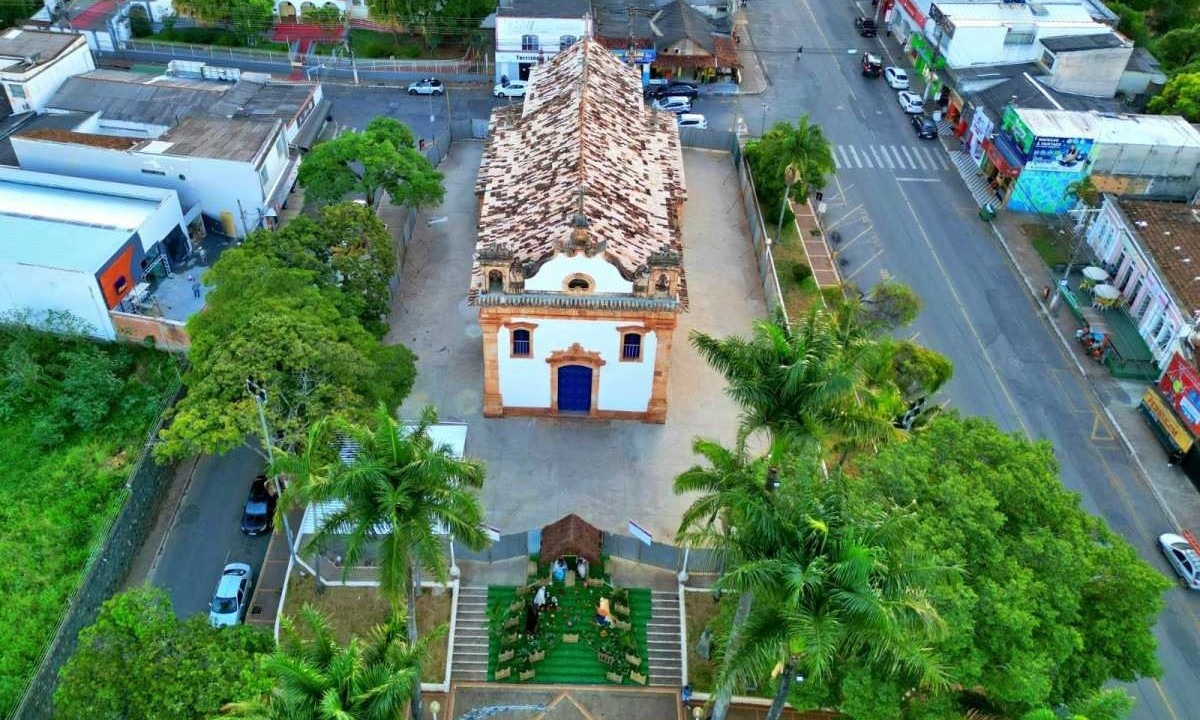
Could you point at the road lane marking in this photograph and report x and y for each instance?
(853, 154)
(867, 159)
(849, 242)
(887, 159)
(875, 155)
(920, 160)
(910, 160)
(944, 161)
(839, 221)
(899, 162)
(837, 160)
(867, 262)
(1162, 694)
(914, 179)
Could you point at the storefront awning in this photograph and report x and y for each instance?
(1004, 154)
(1170, 431)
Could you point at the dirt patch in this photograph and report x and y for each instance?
(353, 611)
(700, 611)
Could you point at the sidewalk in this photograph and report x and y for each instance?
(754, 76)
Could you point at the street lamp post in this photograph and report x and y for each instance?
(789, 180)
(258, 391)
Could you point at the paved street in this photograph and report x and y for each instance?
(205, 534)
(914, 220)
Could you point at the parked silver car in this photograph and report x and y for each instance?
(673, 104)
(229, 602)
(1183, 558)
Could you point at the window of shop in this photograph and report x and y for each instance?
(529, 43)
(1020, 35)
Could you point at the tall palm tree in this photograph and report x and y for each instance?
(316, 679)
(841, 590)
(734, 516)
(803, 385)
(802, 146)
(396, 492)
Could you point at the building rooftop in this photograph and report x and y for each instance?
(678, 20)
(996, 87)
(1129, 129)
(217, 138)
(78, 201)
(21, 49)
(165, 99)
(582, 144)
(544, 8)
(1143, 61)
(1170, 232)
(1059, 123)
(1077, 43)
(988, 13)
(14, 124)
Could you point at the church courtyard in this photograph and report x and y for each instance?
(606, 471)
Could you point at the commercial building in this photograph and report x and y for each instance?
(83, 246)
(578, 273)
(223, 146)
(530, 32)
(34, 64)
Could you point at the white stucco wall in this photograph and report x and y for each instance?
(510, 30)
(554, 273)
(41, 289)
(525, 382)
(40, 83)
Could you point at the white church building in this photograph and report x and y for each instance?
(578, 272)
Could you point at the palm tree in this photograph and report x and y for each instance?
(803, 385)
(841, 590)
(396, 492)
(802, 146)
(316, 679)
(733, 515)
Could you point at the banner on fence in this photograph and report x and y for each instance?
(640, 533)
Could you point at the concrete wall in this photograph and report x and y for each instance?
(216, 185)
(1095, 73)
(984, 44)
(40, 83)
(167, 334)
(42, 289)
(554, 274)
(525, 382)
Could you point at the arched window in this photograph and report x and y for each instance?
(529, 43)
(521, 343)
(631, 347)
(663, 284)
(566, 41)
(495, 281)
(579, 284)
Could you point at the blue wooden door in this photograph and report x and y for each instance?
(574, 388)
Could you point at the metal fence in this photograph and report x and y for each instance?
(461, 66)
(661, 555)
(105, 571)
(767, 271)
(509, 546)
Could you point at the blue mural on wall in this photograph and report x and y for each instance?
(1044, 191)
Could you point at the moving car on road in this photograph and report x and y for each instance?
(513, 88)
(865, 26)
(926, 128)
(259, 512)
(1183, 558)
(228, 605)
(426, 86)
(896, 78)
(872, 66)
(677, 105)
(692, 120)
(911, 102)
(676, 89)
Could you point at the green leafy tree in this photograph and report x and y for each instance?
(316, 679)
(1180, 96)
(250, 18)
(396, 490)
(844, 590)
(204, 12)
(889, 305)
(1131, 22)
(918, 371)
(139, 661)
(802, 386)
(1179, 47)
(279, 327)
(802, 146)
(1053, 605)
(381, 158)
(347, 248)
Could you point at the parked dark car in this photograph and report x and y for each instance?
(259, 514)
(866, 26)
(686, 90)
(926, 128)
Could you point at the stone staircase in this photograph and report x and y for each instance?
(470, 636)
(662, 639)
(975, 182)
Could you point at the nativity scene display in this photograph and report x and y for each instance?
(568, 623)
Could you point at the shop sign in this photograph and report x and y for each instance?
(1060, 154)
(1180, 385)
(529, 57)
(911, 8)
(1166, 420)
(1016, 127)
(981, 127)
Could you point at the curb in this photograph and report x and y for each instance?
(162, 543)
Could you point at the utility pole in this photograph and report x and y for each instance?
(258, 391)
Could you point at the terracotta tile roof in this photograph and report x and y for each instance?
(1170, 232)
(582, 143)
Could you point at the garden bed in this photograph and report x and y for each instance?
(1054, 249)
(353, 611)
(796, 281)
(699, 612)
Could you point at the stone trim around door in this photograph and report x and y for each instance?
(575, 355)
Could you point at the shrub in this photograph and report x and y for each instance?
(140, 26)
(799, 272)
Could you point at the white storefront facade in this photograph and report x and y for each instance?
(530, 32)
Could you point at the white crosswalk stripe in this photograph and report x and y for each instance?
(927, 158)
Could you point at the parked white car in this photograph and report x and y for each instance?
(693, 120)
(1183, 558)
(514, 88)
(426, 86)
(675, 104)
(911, 102)
(896, 77)
(228, 605)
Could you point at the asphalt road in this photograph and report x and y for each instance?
(206, 534)
(902, 213)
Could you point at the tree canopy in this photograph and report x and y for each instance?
(1051, 605)
(278, 326)
(802, 146)
(381, 158)
(138, 661)
(1180, 96)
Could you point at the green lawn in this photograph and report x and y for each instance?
(1052, 248)
(56, 500)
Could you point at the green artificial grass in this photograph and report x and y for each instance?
(566, 663)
